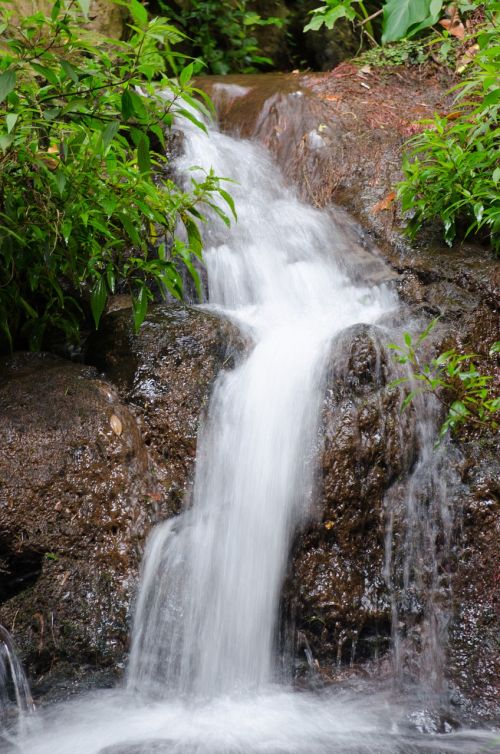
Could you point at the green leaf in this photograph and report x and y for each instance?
(229, 201)
(109, 134)
(130, 229)
(127, 105)
(10, 121)
(6, 141)
(194, 237)
(186, 74)
(60, 180)
(140, 307)
(329, 17)
(98, 299)
(7, 83)
(47, 73)
(189, 116)
(70, 71)
(66, 228)
(400, 16)
(143, 156)
(138, 13)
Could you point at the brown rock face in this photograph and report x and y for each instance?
(75, 504)
(340, 599)
(166, 373)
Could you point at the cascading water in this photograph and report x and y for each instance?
(16, 703)
(202, 677)
(207, 612)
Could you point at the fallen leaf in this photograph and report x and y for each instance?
(455, 29)
(116, 425)
(328, 525)
(384, 203)
(365, 69)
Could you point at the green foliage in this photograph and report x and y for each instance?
(452, 172)
(454, 378)
(221, 33)
(405, 18)
(401, 19)
(333, 10)
(405, 52)
(87, 203)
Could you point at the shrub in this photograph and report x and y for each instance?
(466, 392)
(452, 172)
(88, 205)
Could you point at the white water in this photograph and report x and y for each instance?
(202, 674)
(16, 704)
(207, 612)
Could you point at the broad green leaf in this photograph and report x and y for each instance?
(7, 83)
(401, 15)
(10, 121)
(98, 299)
(5, 141)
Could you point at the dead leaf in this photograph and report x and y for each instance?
(453, 23)
(384, 203)
(116, 425)
(328, 525)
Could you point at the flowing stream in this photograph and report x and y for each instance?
(203, 674)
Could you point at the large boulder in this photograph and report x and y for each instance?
(165, 373)
(76, 500)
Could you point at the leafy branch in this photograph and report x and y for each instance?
(455, 380)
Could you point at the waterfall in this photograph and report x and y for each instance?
(206, 616)
(202, 676)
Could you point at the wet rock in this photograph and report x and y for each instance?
(165, 374)
(473, 651)
(338, 595)
(76, 501)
